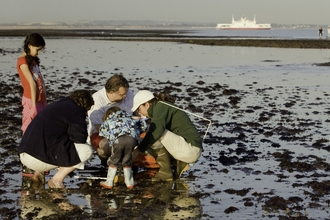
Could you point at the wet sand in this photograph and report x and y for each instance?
(265, 156)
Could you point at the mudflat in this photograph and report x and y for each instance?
(169, 36)
(265, 155)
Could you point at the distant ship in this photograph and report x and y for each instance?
(243, 24)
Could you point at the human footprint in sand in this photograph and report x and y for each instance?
(171, 138)
(56, 138)
(123, 134)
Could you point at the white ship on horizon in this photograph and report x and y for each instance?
(243, 24)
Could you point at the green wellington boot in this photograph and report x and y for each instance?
(180, 168)
(164, 162)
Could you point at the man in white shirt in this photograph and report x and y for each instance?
(116, 92)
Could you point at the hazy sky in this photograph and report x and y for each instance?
(217, 11)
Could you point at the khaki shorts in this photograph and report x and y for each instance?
(179, 148)
(84, 151)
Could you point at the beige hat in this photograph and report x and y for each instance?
(141, 97)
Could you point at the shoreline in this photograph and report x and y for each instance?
(167, 35)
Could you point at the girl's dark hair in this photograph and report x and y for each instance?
(35, 40)
(110, 111)
(82, 98)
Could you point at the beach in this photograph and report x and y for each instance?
(265, 153)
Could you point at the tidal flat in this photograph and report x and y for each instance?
(265, 153)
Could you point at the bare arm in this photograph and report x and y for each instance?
(33, 87)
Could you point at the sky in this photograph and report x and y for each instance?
(217, 11)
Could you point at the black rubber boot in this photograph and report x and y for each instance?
(165, 171)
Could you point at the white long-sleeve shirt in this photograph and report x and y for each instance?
(101, 105)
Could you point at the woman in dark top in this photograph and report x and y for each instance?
(56, 138)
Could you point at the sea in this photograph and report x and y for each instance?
(275, 33)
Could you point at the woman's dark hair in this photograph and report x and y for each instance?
(162, 96)
(82, 98)
(35, 40)
(115, 82)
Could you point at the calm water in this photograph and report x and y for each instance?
(274, 33)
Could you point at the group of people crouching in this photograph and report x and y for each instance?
(120, 126)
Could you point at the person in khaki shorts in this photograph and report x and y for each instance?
(56, 138)
(171, 138)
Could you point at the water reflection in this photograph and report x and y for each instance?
(36, 202)
(183, 205)
(165, 200)
(169, 200)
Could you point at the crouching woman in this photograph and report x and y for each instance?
(56, 138)
(172, 138)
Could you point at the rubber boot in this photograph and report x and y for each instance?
(128, 175)
(165, 171)
(180, 168)
(109, 183)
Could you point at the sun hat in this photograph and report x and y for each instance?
(141, 97)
